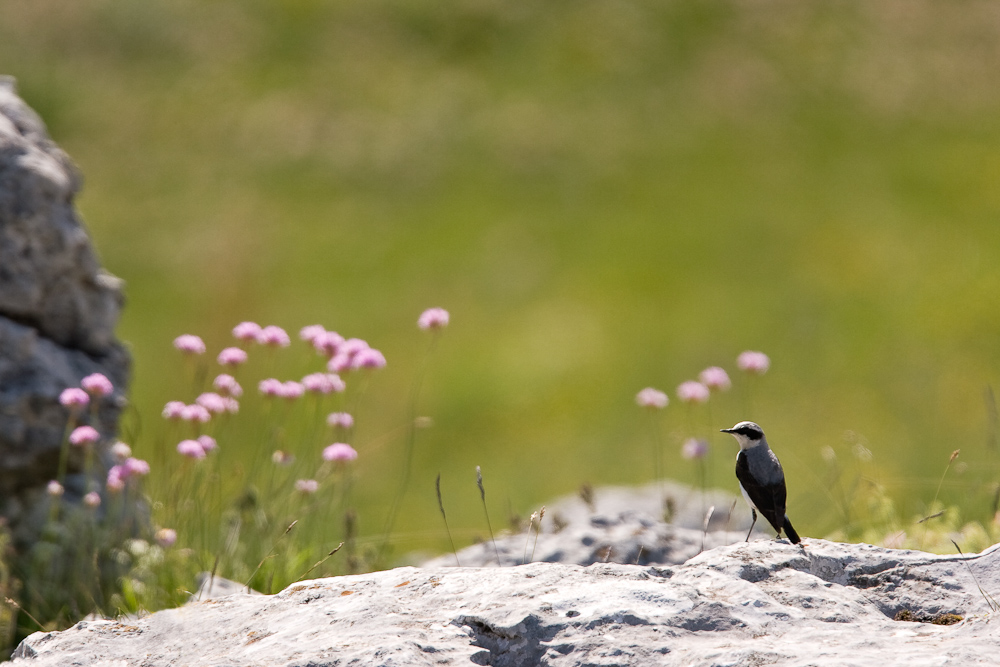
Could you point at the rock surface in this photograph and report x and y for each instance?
(58, 311)
(620, 525)
(764, 602)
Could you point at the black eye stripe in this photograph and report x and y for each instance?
(751, 433)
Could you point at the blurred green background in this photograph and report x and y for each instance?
(605, 195)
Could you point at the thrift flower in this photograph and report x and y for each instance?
(310, 333)
(92, 499)
(715, 378)
(207, 443)
(227, 385)
(753, 362)
(75, 399)
(135, 467)
(339, 451)
(247, 331)
(339, 363)
(433, 318)
(352, 346)
(191, 449)
(232, 356)
(232, 405)
(652, 398)
(196, 413)
(173, 410)
(693, 449)
(328, 343)
(323, 383)
(692, 392)
(341, 419)
(84, 435)
(271, 387)
(116, 478)
(212, 402)
(166, 537)
(97, 385)
(121, 451)
(368, 358)
(54, 489)
(190, 344)
(292, 390)
(273, 336)
(306, 486)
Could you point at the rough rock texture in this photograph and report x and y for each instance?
(762, 603)
(621, 525)
(58, 309)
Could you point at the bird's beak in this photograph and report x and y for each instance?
(725, 430)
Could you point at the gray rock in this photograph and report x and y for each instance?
(58, 311)
(764, 602)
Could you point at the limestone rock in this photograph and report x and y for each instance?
(763, 602)
(58, 309)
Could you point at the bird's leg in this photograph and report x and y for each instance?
(752, 523)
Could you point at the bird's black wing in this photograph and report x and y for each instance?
(768, 498)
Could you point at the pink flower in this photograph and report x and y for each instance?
(323, 383)
(116, 478)
(340, 419)
(54, 489)
(339, 451)
(246, 331)
(328, 343)
(306, 486)
(191, 449)
(232, 356)
(753, 362)
(84, 435)
(207, 443)
(173, 410)
(190, 344)
(352, 346)
(135, 467)
(121, 451)
(227, 386)
(196, 413)
(232, 405)
(273, 336)
(74, 398)
(692, 392)
(166, 537)
(433, 318)
(652, 398)
(716, 378)
(368, 358)
(292, 390)
(212, 402)
(271, 387)
(339, 363)
(693, 448)
(92, 499)
(310, 333)
(97, 385)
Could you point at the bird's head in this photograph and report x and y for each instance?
(747, 434)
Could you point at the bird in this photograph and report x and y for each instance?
(762, 481)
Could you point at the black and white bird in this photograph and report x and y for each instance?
(762, 480)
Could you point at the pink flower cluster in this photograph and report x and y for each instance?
(340, 419)
(753, 362)
(323, 383)
(652, 398)
(197, 449)
(94, 385)
(271, 336)
(339, 452)
(190, 344)
(275, 388)
(84, 435)
(692, 392)
(433, 318)
(121, 473)
(694, 448)
(715, 379)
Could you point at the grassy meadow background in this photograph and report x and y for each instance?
(605, 194)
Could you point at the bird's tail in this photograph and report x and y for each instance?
(790, 532)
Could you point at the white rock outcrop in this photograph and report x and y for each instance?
(757, 603)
